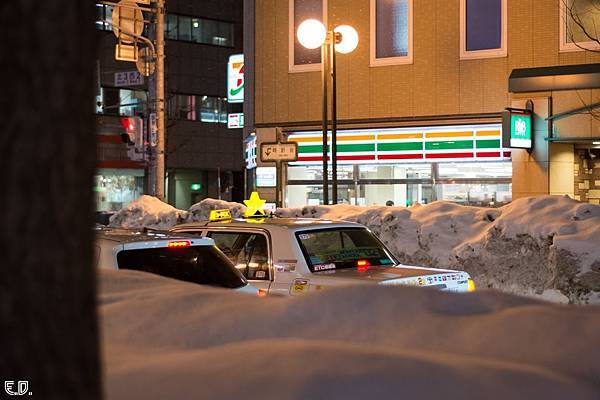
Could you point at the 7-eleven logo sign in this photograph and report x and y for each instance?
(235, 79)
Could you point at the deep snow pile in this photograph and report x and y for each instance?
(547, 245)
(148, 212)
(164, 339)
(201, 211)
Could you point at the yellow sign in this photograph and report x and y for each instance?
(299, 286)
(254, 206)
(219, 215)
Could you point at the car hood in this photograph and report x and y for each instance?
(396, 275)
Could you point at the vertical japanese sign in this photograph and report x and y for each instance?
(235, 79)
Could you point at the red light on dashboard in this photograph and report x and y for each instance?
(179, 244)
(363, 265)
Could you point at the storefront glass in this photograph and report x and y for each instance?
(115, 190)
(472, 183)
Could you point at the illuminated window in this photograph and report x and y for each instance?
(198, 108)
(483, 32)
(579, 23)
(391, 32)
(302, 59)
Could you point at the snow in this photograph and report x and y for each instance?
(148, 212)
(201, 211)
(546, 246)
(530, 246)
(164, 339)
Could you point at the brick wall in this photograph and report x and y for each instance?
(587, 176)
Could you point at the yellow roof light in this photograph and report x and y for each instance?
(254, 205)
(220, 215)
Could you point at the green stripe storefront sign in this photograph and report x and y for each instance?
(455, 143)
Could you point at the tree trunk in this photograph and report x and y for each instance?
(48, 323)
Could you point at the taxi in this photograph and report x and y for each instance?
(294, 256)
(185, 258)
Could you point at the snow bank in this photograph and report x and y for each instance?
(533, 246)
(148, 212)
(546, 246)
(201, 211)
(164, 339)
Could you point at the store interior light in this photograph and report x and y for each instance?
(311, 34)
(348, 41)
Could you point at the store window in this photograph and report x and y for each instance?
(475, 194)
(488, 170)
(398, 171)
(483, 26)
(391, 32)
(315, 172)
(115, 189)
(198, 108)
(125, 102)
(303, 59)
(470, 183)
(579, 23)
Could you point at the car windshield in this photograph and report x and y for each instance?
(338, 248)
(204, 265)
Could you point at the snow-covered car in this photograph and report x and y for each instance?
(290, 256)
(182, 257)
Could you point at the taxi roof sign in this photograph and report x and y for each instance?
(220, 215)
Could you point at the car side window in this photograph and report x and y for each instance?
(248, 252)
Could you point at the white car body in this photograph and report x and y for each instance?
(288, 271)
(110, 242)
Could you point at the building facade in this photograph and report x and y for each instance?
(203, 156)
(420, 100)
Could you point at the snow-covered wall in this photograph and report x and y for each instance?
(548, 245)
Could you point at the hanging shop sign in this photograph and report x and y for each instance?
(235, 79)
(235, 120)
(250, 151)
(128, 78)
(406, 145)
(270, 152)
(517, 129)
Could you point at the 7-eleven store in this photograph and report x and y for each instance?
(464, 164)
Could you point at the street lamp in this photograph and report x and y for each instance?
(343, 39)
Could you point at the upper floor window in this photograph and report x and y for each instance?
(198, 108)
(483, 28)
(302, 59)
(199, 30)
(579, 25)
(104, 17)
(180, 27)
(391, 32)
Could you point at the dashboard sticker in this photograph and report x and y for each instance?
(324, 267)
(299, 286)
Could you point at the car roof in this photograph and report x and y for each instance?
(290, 223)
(122, 235)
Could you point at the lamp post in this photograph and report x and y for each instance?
(343, 39)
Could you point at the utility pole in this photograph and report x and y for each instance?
(160, 99)
(156, 170)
